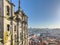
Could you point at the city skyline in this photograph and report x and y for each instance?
(41, 13)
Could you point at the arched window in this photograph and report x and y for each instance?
(8, 10)
(14, 27)
(8, 27)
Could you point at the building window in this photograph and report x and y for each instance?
(8, 27)
(8, 10)
(15, 28)
(15, 38)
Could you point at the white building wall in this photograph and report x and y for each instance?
(5, 5)
(20, 30)
(6, 22)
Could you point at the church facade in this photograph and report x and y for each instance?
(13, 25)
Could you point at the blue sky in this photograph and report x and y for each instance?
(41, 13)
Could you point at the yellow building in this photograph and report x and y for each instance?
(13, 25)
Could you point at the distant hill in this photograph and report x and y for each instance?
(54, 32)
